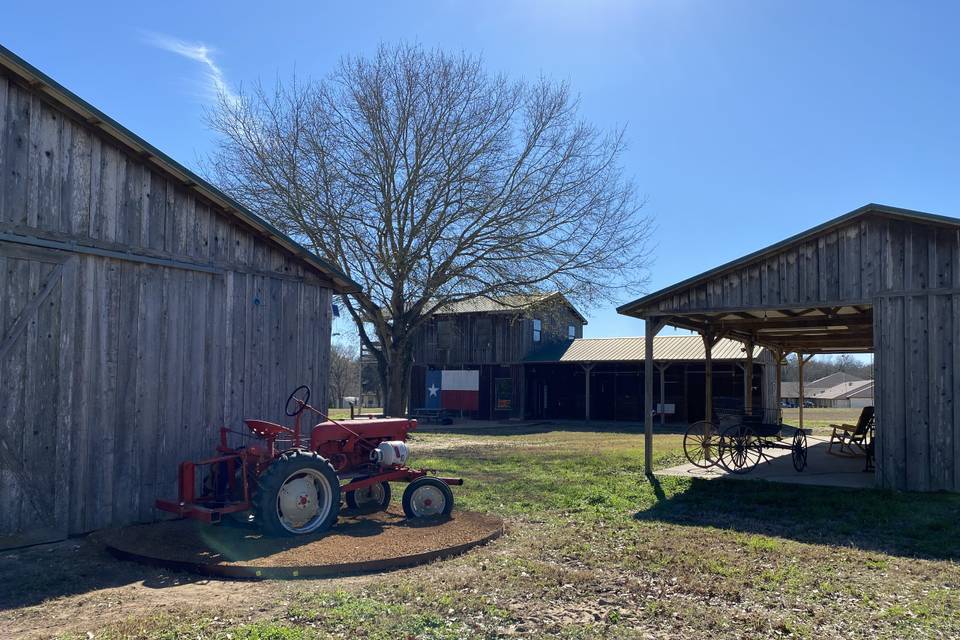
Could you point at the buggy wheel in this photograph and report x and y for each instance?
(701, 444)
(426, 497)
(740, 449)
(298, 494)
(376, 495)
(799, 450)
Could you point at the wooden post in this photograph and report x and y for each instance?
(709, 339)
(801, 360)
(587, 371)
(748, 378)
(652, 326)
(778, 356)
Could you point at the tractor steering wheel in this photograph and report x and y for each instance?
(299, 403)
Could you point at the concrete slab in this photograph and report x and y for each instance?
(823, 469)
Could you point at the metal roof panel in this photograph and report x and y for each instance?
(633, 349)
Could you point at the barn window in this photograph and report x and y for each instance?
(537, 327)
(571, 332)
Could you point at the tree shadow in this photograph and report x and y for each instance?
(923, 525)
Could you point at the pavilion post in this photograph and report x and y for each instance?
(778, 355)
(801, 360)
(587, 372)
(708, 341)
(748, 378)
(652, 327)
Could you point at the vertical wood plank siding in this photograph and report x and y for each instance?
(508, 341)
(909, 271)
(128, 367)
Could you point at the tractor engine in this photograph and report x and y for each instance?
(361, 447)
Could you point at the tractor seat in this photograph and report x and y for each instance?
(265, 429)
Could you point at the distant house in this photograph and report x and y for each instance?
(855, 393)
(790, 391)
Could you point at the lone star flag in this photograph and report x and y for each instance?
(453, 390)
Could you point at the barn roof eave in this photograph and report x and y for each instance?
(638, 308)
(93, 116)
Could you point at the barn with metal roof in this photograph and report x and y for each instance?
(602, 378)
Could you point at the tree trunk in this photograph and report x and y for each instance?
(395, 379)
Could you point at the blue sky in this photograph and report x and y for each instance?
(747, 121)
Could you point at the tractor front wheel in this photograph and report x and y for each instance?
(298, 494)
(426, 497)
(376, 495)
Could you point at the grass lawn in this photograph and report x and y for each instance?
(596, 550)
(344, 414)
(819, 419)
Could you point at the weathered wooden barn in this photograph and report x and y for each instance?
(878, 279)
(493, 336)
(140, 309)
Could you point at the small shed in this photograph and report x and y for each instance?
(878, 280)
(140, 309)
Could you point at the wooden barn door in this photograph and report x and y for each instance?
(35, 304)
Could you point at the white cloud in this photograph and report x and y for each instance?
(215, 83)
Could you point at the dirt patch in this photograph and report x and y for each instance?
(359, 543)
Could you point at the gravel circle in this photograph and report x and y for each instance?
(358, 543)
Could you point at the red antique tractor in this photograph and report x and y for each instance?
(293, 484)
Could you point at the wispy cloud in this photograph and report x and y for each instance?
(215, 83)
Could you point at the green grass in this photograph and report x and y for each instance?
(344, 414)
(820, 419)
(596, 550)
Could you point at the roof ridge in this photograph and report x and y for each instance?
(630, 308)
(153, 157)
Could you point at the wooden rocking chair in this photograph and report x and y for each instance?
(848, 436)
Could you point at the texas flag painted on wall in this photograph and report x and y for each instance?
(453, 390)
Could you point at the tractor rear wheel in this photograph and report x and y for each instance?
(298, 494)
(376, 495)
(426, 497)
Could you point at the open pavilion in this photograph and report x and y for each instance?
(878, 280)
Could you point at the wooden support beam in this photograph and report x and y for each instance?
(802, 360)
(748, 378)
(710, 338)
(652, 327)
(778, 358)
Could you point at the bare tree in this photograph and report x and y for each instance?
(344, 372)
(429, 181)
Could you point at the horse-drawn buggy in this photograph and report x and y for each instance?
(738, 440)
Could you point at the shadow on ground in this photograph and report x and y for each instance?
(33, 575)
(925, 525)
